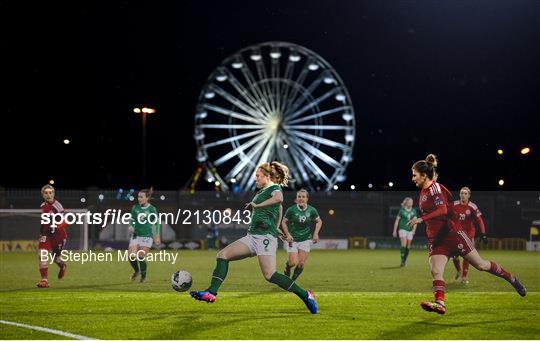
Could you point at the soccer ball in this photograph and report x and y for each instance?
(181, 280)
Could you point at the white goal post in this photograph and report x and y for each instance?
(30, 219)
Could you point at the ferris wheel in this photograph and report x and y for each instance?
(275, 101)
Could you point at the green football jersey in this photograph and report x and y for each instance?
(404, 217)
(144, 229)
(300, 222)
(264, 220)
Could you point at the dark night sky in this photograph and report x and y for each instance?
(457, 78)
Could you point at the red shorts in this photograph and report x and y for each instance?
(54, 243)
(453, 243)
(470, 233)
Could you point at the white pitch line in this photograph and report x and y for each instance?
(48, 330)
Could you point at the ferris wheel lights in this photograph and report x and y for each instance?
(347, 117)
(340, 97)
(201, 156)
(199, 136)
(328, 80)
(201, 115)
(148, 110)
(216, 183)
(294, 58)
(237, 65)
(275, 53)
(255, 55)
(257, 131)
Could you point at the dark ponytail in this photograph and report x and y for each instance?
(427, 166)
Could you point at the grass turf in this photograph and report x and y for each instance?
(361, 294)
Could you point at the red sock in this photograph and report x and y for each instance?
(438, 290)
(456, 264)
(44, 272)
(465, 269)
(496, 270)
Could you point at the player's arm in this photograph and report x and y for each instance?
(396, 223)
(415, 225)
(58, 208)
(156, 228)
(131, 228)
(318, 227)
(280, 218)
(440, 211)
(285, 229)
(482, 227)
(277, 197)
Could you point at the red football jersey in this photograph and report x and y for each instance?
(466, 215)
(431, 199)
(54, 207)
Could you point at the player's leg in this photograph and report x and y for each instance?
(403, 246)
(132, 253)
(142, 251)
(237, 250)
(292, 258)
(493, 268)
(44, 249)
(437, 263)
(60, 242)
(458, 267)
(409, 238)
(267, 264)
(465, 267)
(303, 254)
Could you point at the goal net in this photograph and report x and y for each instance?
(19, 230)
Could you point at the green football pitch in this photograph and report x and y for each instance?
(362, 294)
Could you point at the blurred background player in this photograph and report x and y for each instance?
(212, 235)
(297, 226)
(466, 213)
(403, 230)
(52, 239)
(261, 238)
(143, 233)
(446, 239)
